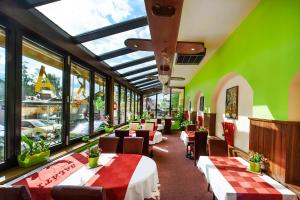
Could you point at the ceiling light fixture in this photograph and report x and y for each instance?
(163, 79)
(135, 46)
(193, 49)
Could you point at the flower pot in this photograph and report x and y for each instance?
(255, 167)
(34, 159)
(93, 162)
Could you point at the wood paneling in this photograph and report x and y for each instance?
(210, 123)
(279, 142)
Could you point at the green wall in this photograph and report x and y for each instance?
(265, 50)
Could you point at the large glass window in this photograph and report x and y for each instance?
(122, 105)
(137, 111)
(2, 95)
(163, 105)
(42, 74)
(128, 105)
(116, 104)
(132, 104)
(150, 105)
(177, 97)
(80, 100)
(99, 102)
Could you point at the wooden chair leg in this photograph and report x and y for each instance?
(214, 197)
(208, 186)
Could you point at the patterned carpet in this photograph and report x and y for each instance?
(179, 178)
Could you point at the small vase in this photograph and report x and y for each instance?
(93, 162)
(255, 167)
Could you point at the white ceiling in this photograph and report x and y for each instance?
(211, 22)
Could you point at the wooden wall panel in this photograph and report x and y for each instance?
(210, 123)
(279, 142)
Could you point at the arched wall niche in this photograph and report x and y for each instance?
(294, 99)
(245, 107)
(188, 102)
(197, 101)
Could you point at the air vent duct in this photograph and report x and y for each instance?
(189, 59)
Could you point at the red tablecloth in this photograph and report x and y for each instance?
(113, 176)
(191, 135)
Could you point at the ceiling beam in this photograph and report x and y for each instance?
(115, 53)
(134, 62)
(111, 30)
(148, 83)
(142, 81)
(139, 71)
(142, 76)
(34, 3)
(151, 86)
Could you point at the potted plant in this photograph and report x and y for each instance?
(108, 125)
(256, 161)
(202, 129)
(33, 152)
(93, 153)
(85, 138)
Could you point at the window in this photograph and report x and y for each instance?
(99, 103)
(116, 104)
(137, 110)
(150, 105)
(2, 95)
(177, 96)
(132, 104)
(122, 105)
(163, 105)
(128, 105)
(42, 74)
(80, 100)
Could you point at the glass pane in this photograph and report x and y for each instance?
(88, 15)
(149, 86)
(136, 67)
(150, 105)
(140, 74)
(122, 105)
(132, 104)
(163, 105)
(80, 100)
(142, 79)
(177, 97)
(128, 108)
(42, 76)
(137, 105)
(128, 57)
(116, 104)
(116, 41)
(2, 95)
(99, 103)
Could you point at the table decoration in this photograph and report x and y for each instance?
(93, 153)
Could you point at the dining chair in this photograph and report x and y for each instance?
(144, 134)
(121, 134)
(217, 148)
(143, 121)
(64, 192)
(167, 127)
(191, 127)
(18, 192)
(133, 145)
(149, 126)
(133, 126)
(200, 144)
(109, 144)
(158, 121)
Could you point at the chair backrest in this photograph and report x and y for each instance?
(63, 192)
(149, 126)
(143, 120)
(217, 148)
(133, 126)
(109, 144)
(200, 144)
(121, 134)
(133, 145)
(191, 127)
(18, 192)
(158, 121)
(144, 134)
(167, 127)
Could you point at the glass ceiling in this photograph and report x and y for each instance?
(142, 79)
(148, 86)
(87, 15)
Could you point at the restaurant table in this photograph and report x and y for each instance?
(154, 137)
(123, 176)
(229, 180)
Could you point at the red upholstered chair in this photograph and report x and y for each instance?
(191, 127)
(200, 121)
(217, 148)
(158, 121)
(167, 127)
(19, 192)
(144, 134)
(121, 134)
(109, 144)
(133, 145)
(68, 192)
(229, 129)
(142, 121)
(200, 144)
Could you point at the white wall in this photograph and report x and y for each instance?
(245, 103)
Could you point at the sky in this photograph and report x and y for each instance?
(2, 62)
(80, 16)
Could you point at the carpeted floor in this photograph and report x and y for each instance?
(179, 178)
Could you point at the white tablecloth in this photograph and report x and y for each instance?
(142, 183)
(223, 189)
(184, 137)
